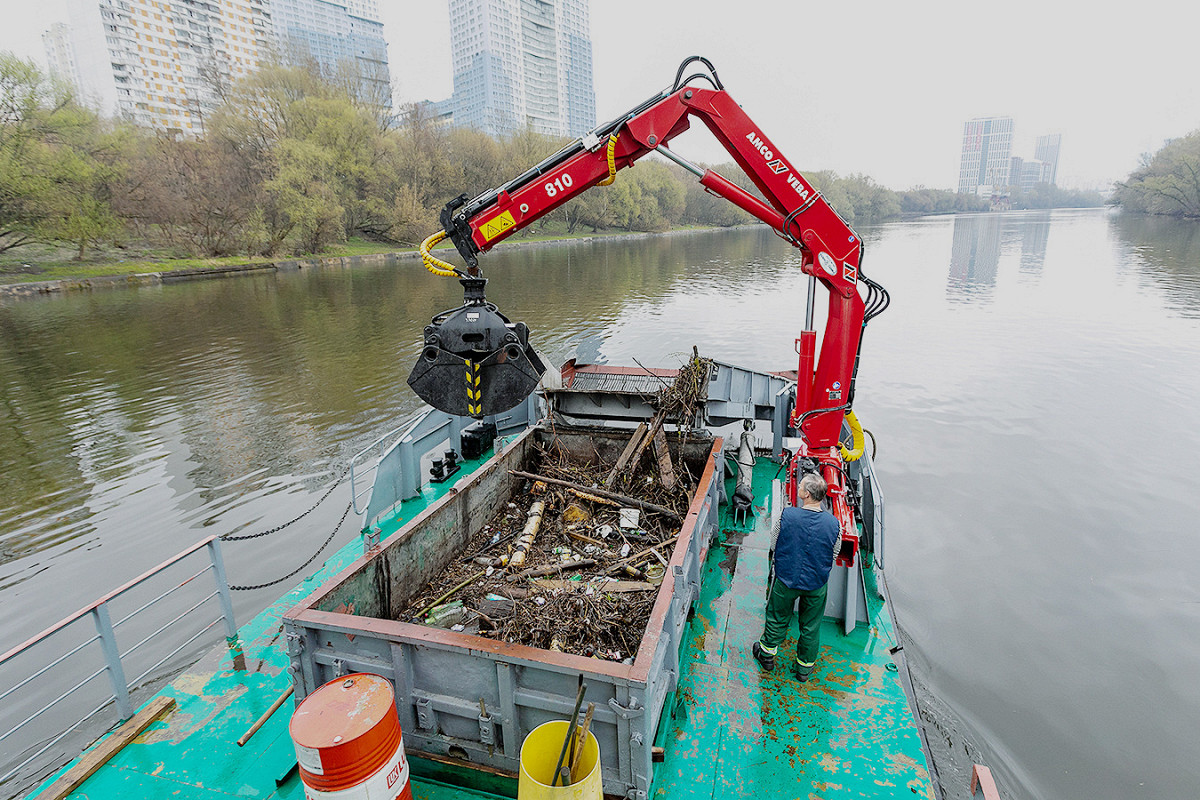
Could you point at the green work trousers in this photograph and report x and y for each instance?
(811, 610)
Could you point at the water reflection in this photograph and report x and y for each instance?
(132, 423)
(1167, 251)
(208, 404)
(1035, 236)
(974, 254)
(981, 241)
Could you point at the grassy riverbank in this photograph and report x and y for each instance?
(50, 262)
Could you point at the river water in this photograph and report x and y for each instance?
(1032, 391)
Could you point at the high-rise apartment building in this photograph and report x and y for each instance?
(521, 63)
(1046, 151)
(165, 63)
(986, 155)
(342, 37)
(162, 63)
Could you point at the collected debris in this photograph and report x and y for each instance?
(569, 564)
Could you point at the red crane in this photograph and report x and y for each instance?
(500, 367)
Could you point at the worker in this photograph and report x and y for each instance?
(805, 543)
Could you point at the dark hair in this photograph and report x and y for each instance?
(814, 485)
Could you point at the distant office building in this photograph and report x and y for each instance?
(1046, 151)
(163, 64)
(341, 37)
(1028, 172)
(986, 155)
(521, 63)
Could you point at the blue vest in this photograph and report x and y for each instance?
(804, 551)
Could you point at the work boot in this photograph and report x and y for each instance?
(765, 660)
(802, 673)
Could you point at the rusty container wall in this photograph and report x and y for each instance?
(441, 677)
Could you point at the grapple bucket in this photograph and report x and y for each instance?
(475, 362)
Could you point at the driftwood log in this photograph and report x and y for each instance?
(629, 501)
(538, 572)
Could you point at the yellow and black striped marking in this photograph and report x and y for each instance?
(474, 390)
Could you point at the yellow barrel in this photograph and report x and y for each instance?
(539, 756)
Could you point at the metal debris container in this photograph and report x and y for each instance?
(473, 698)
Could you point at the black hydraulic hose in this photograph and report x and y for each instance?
(680, 81)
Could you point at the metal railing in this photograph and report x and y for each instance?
(398, 474)
(113, 659)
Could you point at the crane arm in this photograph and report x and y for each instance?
(501, 369)
(793, 208)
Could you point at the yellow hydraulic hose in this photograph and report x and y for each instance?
(431, 262)
(856, 433)
(612, 161)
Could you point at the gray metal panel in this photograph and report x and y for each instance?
(439, 685)
(387, 489)
(520, 417)
(736, 393)
(733, 393)
(398, 475)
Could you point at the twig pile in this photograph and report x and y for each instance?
(680, 401)
(587, 579)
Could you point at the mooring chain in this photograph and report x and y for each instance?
(231, 538)
(298, 569)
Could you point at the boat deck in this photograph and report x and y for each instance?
(731, 731)
(846, 732)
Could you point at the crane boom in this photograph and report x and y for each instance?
(501, 369)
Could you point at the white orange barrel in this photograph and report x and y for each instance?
(348, 741)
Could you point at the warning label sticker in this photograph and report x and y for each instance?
(497, 225)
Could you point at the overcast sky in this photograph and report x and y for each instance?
(881, 88)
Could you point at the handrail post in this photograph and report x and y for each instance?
(112, 654)
(354, 486)
(223, 596)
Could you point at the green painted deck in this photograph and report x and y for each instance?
(730, 730)
(845, 733)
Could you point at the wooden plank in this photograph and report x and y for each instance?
(655, 425)
(666, 470)
(639, 433)
(99, 755)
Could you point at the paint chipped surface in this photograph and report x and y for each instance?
(193, 751)
(846, 733)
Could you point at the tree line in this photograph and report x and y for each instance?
(1167, 182)
(293, 163)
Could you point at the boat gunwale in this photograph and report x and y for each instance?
(394, 630)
